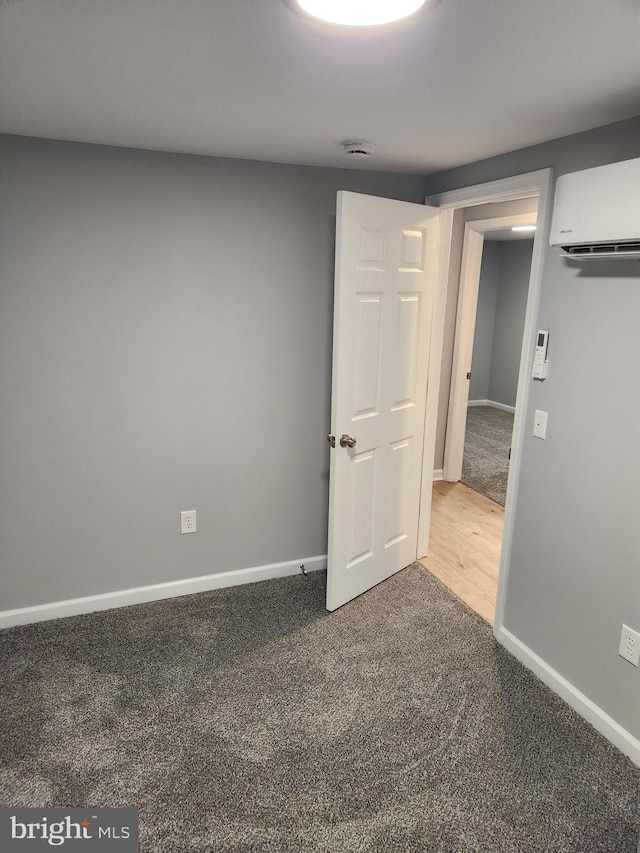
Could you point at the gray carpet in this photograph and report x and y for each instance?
(487, 441)
(249, 719)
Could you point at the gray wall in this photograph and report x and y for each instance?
(574, 575)
(165, 344)
(511, 307)
(485, 321)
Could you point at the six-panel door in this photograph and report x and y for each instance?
(384, 287)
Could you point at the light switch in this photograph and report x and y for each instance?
(540, 424)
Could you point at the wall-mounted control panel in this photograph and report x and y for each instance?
(541, 356)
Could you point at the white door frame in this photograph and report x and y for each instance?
(509, 189)
(472, 249)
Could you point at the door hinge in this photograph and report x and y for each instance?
(332, 440)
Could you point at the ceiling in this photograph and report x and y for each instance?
(252, 79)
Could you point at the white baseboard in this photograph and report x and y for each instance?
(437, 474)
(156, 592)
(493, 405)
(502, 406)
(601, 721)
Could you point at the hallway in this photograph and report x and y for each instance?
(466, 538)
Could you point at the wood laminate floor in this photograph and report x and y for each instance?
(464, 551)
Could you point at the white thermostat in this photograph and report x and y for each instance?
(540, 358)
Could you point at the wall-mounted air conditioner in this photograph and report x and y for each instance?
(596, 212)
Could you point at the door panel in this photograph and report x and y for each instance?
(397, 492)
(386, 255)
(362, 506)
(406, 350)
(367, 369)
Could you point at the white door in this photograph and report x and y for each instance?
(386, 256)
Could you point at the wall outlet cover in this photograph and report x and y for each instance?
(630, 645)
(188, 521)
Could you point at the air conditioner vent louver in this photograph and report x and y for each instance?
(629, 249)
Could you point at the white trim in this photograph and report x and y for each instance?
(462, 351)
(587, 709)
(464, 334)
(506, 189)
(433, 381)
(502, 406)
(493, 404)
(156, 592)
(437, 474)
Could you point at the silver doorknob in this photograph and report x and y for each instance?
(347, 441)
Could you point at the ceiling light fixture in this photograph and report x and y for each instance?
(523, 228)
(360, 13)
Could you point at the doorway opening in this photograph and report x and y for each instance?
(468, 513)
(496, 348)
(486, 360)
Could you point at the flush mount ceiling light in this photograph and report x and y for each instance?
(360, 13)
(523, 228)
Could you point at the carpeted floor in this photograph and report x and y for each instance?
(487, 440)
(250, 719)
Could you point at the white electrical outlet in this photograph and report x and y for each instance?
(630, 645)
(188, 521)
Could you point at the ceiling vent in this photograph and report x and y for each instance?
(359, 149)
